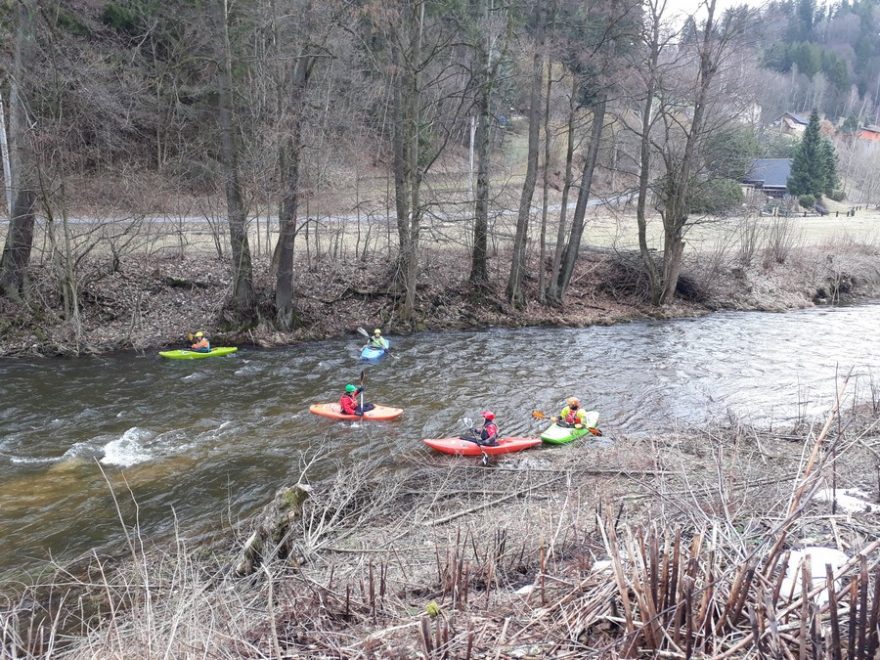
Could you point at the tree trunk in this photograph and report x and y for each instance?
(566, 186)
(7, 168)
(406, 162)
(19, 240)
(288, 165)
(243, 298)
(677, 197)
(515, 292)
(570, 254)
(645, 163)
(479, 258)
(545, 184)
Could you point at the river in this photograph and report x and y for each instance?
(200, 443)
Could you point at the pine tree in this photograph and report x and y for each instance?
(829, 165)
(808, 168)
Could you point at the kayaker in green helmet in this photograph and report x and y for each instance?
(378, 341)
(572, 414)
(349, 404)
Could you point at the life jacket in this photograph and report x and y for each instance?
(202, 343)
(572, 416)
(348, 403)
(489, 432)
(378, 342)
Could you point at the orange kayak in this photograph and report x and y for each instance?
(377, 414)
(461, 447)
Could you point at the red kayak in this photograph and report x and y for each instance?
(461, 447)
(377, 414)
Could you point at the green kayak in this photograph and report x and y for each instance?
(562, 435)
(196, 355)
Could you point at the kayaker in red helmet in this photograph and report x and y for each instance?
(487, 434)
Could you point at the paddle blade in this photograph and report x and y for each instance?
(537, 414)
(364, 333)
(595, 431)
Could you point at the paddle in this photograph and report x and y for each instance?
(361, 385)
(367, 335)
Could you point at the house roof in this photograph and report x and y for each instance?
(798, 117)
(769, 172)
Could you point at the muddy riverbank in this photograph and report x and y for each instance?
(144, 303)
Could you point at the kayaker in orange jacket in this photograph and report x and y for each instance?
(202, 345)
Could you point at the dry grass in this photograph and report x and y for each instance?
(674, 546)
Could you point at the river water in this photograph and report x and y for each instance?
(202, 442)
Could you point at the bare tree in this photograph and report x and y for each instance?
(19, 240)
(243, 299)
(515, 293)
(491, 26)
(677, 117)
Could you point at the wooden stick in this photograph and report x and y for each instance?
(459, 514)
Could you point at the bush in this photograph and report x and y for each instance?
(716, 197)
(120, 18)
(838, 195)
(807, 201)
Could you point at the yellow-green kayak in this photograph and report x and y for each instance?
(562, 435)
(197, 355)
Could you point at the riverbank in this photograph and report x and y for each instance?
(606, 548)
(148, 302)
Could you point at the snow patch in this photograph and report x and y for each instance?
(817, 557)
(851, 500)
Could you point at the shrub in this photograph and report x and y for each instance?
(717, 197)
(838, 195)
(807, 201)
(120, 17)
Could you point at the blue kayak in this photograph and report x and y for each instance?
(370, 353)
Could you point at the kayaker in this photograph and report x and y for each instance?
(349, 404)
(487, 434)
(202, 345)
(378, 341)
(572, 414)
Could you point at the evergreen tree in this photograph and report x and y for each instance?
(829, 165)
(808, 168)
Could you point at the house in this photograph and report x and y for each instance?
(769, 175)
(792, 123)
(868, 133)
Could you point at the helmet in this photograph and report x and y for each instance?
(377, 331)
(350, 388)
(200, 334)
(488, 415)
(573, 402)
